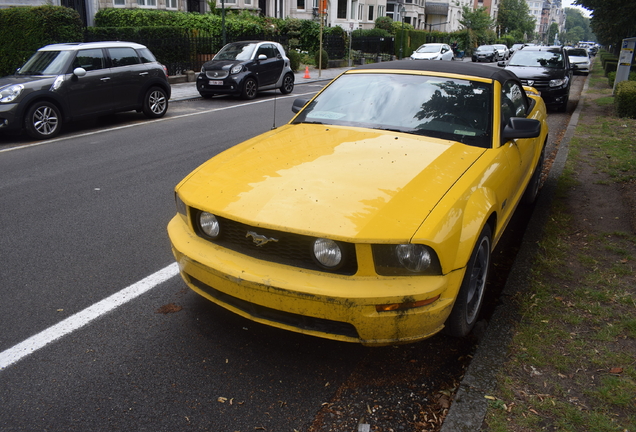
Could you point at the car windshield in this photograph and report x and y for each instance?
(577, 53)
(439, 107)
(485, 48)
(546, 59)
(46, 63)
(236, 51)
(429, 49)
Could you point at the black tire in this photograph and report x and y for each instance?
(250, 88)
(532, 190)
(43, 120)
(288, 84)
(155, 102)
(468, 303)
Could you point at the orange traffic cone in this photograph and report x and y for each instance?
(306, 72)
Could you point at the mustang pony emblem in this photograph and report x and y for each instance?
(259, 239)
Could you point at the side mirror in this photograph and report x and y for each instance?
(262, 57)
(299, 104)
(501, 63)
(79, 72)
(519, 127)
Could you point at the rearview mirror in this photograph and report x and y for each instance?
(299, 104)
(519, 127)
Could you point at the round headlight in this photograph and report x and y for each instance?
(236, 69)
(327, 252)
(209, 224)
(413, 257)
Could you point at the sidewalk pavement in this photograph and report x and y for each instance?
(188, 90)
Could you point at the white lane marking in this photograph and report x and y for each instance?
(80, 319)
(143, 123)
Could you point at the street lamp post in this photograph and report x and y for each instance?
(402, 12)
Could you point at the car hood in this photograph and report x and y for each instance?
(537, 73)
(338, 182)
(221, 64)
(425, 56)
(22, 79)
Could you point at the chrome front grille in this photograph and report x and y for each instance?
(216, 74)
(290, 249)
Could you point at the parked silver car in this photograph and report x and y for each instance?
(65, 82)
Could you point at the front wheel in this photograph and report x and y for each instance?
(468, 303)
(155, 102)
(288, 84)
(43, 120)
(249, 89)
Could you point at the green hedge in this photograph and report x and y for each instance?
(625, 99)
(171, 45)
(610, 66)
(35, 27)
(302, 34)
(611, 77)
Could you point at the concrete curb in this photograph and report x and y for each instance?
(468, 411)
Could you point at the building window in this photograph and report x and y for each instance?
(247, 2)
(119, 3)
(171, 4)
(360, 12)
(370, 12)
(380, 10)
(342, 9)
(147, 3)
(300, 4)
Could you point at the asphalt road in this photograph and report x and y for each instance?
(83, 219)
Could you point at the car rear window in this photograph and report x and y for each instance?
(146, 56)
(123, 56)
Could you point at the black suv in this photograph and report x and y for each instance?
(65, 82)
(545, 68)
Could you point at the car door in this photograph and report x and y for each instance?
(90, 94)
(519, 152)
(447, 52)
(129, 75)
(269, 69)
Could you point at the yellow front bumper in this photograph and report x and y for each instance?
(320, 304)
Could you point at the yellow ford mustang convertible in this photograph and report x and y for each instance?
(372, 215)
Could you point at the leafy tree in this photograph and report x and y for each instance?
(552, 32)
(574, 35)
(478, 25)
(574, 18)
(514, 16)
(384, 23)
(612, 20)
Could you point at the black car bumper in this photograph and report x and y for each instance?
(229, 85)
(8, 117)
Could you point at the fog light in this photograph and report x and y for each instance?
(327, 253)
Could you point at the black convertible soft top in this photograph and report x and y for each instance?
(462, 68)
